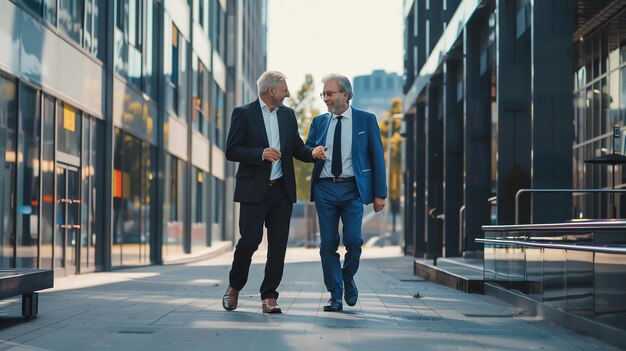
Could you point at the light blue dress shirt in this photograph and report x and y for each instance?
(346, 145)
(270, 119)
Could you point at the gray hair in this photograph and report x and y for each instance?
(269, 79)
(344, 83)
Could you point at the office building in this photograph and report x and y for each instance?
(114, 120)
(505, 95)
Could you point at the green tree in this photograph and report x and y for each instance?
(303, 105)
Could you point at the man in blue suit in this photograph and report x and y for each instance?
(349, 175)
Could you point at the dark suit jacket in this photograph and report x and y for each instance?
(247, 139)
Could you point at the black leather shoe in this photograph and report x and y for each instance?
(350, 293)
(333, 306)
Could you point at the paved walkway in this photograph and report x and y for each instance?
(179, 308)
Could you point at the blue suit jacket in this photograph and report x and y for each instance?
(368, 160)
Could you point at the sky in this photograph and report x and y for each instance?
(349, 37)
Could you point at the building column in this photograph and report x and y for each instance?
(409, 178)
(103, 252)
(552, 111)
(419, 180)
(434, 162)
(477, 126)
(514, 108)
(453, 154)
(156, 247)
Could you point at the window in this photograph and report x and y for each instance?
(378, 84)
(200, 112)
(35, 5)
(176, 72)
(220, 28)
(200, 199)
(200, 12)
(150, 56)
(68, 129)
(132, 193)
(174, 206)
(50, 11)
(218, 140)
(30, 132)
(70, 19)
(218, 186)
(175, 68)
(83, 21)
(129, 40)
(47, 182)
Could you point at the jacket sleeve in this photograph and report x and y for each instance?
(377, 158)
(300, 151)
(236, 149)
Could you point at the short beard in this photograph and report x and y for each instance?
(338, 108)
(278, 102)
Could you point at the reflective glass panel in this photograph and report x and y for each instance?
(30, 129)
(47, 182)
(70, 18)
(8, 155)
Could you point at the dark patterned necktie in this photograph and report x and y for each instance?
(336, 164)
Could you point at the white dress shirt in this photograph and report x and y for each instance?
(346, 145)
(270, 119)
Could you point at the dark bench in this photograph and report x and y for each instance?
(15, 282)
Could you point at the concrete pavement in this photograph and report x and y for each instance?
(178, 307)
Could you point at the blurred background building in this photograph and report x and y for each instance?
(113, 128)
(374, 92)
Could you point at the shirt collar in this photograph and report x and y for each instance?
(346, 114)
(264, 106)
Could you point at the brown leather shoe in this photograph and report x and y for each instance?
(229, 301)
(271, 306)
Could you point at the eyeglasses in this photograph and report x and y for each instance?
(329, 93)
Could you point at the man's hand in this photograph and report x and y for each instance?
(271, 154)
(319, 152)
(379, 203)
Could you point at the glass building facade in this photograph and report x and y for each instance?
(505, 95)
(113, 122)
(489, 111)
(600, 106)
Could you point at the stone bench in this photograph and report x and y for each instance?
(25, 282)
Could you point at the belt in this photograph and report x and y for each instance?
(338, 180)
(276, 181)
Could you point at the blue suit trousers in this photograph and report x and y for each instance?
(335, 201)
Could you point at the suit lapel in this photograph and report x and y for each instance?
(257, 116)
(282, 127)
(356, 127)
(324, 128)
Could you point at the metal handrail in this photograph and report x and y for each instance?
(591, 225)
(569, 191)
(462, 228)
(586, 248)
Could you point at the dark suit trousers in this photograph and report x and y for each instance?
(275, 212)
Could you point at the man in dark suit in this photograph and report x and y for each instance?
(264, 139)
(352, 175)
